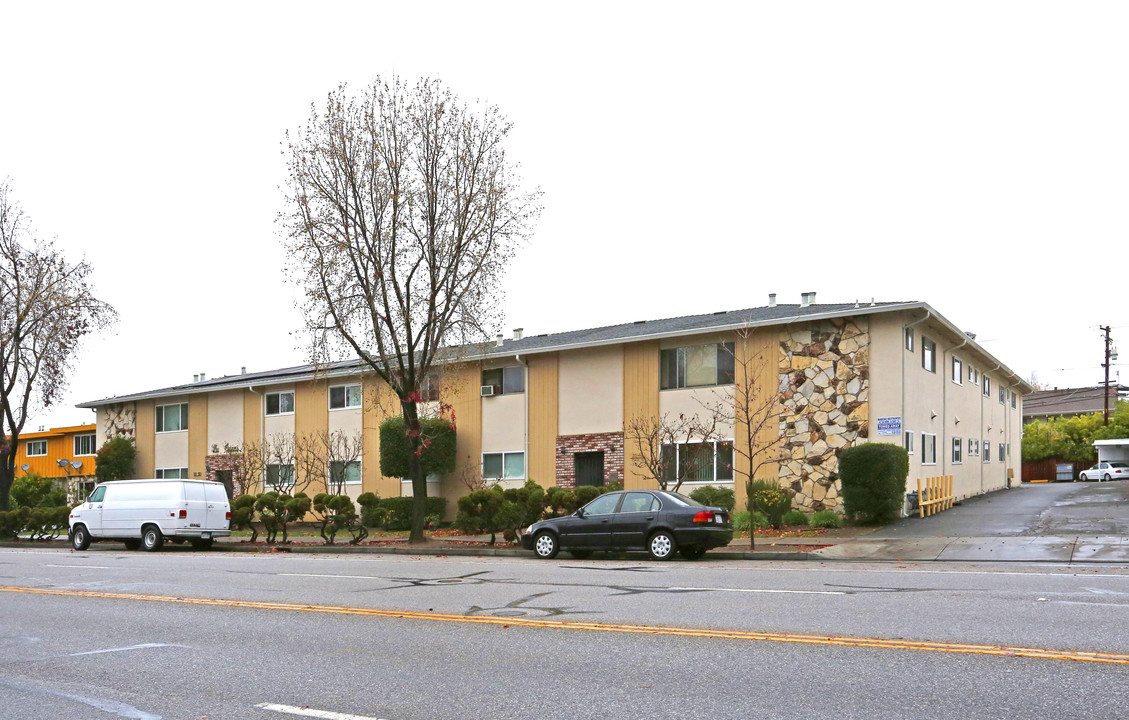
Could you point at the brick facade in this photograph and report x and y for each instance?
(226, 461)
(610, 443)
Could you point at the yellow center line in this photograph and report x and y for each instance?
(898, 644)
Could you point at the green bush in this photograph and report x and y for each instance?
(10, 524)
(794, 517)
(529, 500)
(397, 511)
(487, 511)
(560, 501)
(715, 497)
(767, 497)
(826, 519)
(372, 515)
(36, 491)
(396, 450)
(46, 522)
(338, 513)
(759, 520)
(115, 459)
(243, 514)
(277, 510)
(740, 521)
(874, 481)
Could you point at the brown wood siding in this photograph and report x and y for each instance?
(144, 465)
(378, 403)
(640, 399)
(460, 389)
(764, 352)
(197, 435)
(311, 421)
(543, 417)
(252, 417)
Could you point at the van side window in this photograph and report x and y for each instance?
(97, 495)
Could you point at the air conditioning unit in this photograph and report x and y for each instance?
(486, 390)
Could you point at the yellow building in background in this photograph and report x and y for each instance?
(66, 454)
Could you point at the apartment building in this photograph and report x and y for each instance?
(66, 454)
(554, 408)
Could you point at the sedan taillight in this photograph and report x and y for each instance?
(704, 516)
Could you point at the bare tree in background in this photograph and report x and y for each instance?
(340, 451)
(250, 467)
(752, 409)
(47, 307)
(402, 213)
(656, 441)
(311, 461)
(279, 454)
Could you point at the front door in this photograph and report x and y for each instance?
(224, 476)
(589, 468)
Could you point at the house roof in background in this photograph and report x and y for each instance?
(1071, 401)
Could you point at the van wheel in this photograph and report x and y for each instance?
(80, 538)
(151, 538)
(202, 544)
(132, 543)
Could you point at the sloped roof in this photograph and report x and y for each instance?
(1071, 401)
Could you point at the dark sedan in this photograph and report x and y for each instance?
(662, 523)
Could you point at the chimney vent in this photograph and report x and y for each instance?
(804, 302)
(243, 370)
(517, 333)
(499, 340)
(201, 377)
(195, 378)
(772, 299)
(811, 298)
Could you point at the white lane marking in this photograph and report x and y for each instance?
(105, 705)
(759, 590)
(353, 577)
(310, 712)
(93, 567)
(1090, 604)
(123, 649)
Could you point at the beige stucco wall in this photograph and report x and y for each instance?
(503, 423)
(278, 424)
(225, 418)
(348, 421)
(692, 402)
(590, 384)
(170, 449)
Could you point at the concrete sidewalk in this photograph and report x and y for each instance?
(1077, 549)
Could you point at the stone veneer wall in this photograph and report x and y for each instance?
(610, 443)
(121, 419)
(824, 386)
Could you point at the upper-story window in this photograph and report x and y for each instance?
(1003, 395)
(907, 442)
(958, 371)
(973, 377)
(928, 354)
(505, 381)
(928, 449)
(36, 448)
(1013, 399)
(987, 385)
(956, 450)
(172, 418)
(280, 403)
(429, 387)
(344, 396)
(909, 339)
(85, 444)
(696, 366)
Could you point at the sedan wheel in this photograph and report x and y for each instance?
(1107, 477)
(662, 545)
(546, 545)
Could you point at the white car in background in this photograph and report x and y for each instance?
(1106, 471)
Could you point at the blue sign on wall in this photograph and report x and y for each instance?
(890, 425)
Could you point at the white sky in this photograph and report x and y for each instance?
(694, 158)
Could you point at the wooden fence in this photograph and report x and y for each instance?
(935, 495)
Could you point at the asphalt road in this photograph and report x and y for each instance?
(219, 635)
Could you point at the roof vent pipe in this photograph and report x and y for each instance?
(499, 340)
(772, 299)
(804, 302)
(243, 370)
(811, 298)
(195, 378)
(517, 333)
(201, 377)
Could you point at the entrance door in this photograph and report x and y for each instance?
(224, 476)
(589, 468)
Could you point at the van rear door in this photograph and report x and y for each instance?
(218, 506)
(197, 506)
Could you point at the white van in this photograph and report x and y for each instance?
(142, 513)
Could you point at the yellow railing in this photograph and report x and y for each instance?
(935, 495)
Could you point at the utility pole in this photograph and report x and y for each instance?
(1105, 393)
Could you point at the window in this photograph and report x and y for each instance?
(280, 475)
(36, 448)
(973, 447)
(97, 495)
(987, 452)
(1003, 395)
(972, 374)
(429, 388)
(603, 505)
(907, 441)
(344, 396)
(987, 385)
(1003, 449)
(956, 451)
(909, 339)
(280, 403)
(696, 366)
(84, 444)
(639, 502)
(700, 462)
(958, 371)
(975, 376)
(344, 473)
(928, 449)
(172, 418)
(172, 473)
(1012, 399)
(503, 466)
(928, 354)
(506, 381)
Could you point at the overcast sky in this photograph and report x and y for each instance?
(694, 157)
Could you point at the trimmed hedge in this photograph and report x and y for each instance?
(396, 453)
(398, 511)
(715, 497)
(40, 522)
(873, 479)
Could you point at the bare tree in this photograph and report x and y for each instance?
(752, 409)
(340, 451)
(250, 467)
(657, 440)
(278, 452)
(402, 212)
(47, 307)
(311, 461)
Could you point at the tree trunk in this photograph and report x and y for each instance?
(419, 482)
(7, 476)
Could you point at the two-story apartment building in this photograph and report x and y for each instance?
(554, 408)
(66, 454)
